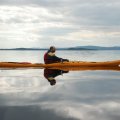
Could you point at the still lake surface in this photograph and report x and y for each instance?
(25, 94)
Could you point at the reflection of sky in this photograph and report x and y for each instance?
(29, 113)
(85, 95)
(37, 56)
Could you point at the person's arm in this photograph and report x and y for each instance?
(55, 58)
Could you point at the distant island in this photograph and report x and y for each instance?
(69, 48)
(94, 48)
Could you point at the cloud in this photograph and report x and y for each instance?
(100, 14)
(54, 20)
(47, 2)
(80, 13)
(26, 14)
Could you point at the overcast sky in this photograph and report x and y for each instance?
(62, 23)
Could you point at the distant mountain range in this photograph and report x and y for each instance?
(71, 48)
(95, 48)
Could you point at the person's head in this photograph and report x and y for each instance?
(52, 49)
(52, 82)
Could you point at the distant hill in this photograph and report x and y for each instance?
(71, 48)
(24, 49)
(95, 48)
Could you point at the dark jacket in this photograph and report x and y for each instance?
(50, 57)
(50, 75)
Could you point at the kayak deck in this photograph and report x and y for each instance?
(78, 64)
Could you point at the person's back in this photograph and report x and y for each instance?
(50, 57)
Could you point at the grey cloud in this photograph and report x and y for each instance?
(53, 2)
(76, 12)
(28, 2)
(57, 31)
(68, 15)
(91, 15)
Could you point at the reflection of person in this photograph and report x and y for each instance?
(50, 57)
(50, 75)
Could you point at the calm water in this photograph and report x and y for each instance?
(25, 94)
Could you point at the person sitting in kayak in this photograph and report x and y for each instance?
(50, 75)
(50, 57)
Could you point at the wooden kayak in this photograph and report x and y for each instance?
(71, 64)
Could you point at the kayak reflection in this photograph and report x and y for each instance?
(50, 75)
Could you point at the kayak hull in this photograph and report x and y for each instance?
(80, 64)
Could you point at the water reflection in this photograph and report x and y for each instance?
(78, 95)
(29, 113)
(83, 95)
(51, 74)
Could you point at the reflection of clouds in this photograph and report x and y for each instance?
(12, 81)
(30, 113)
(84, 83)
(103, 110)
(19, 84)
(80, 95)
